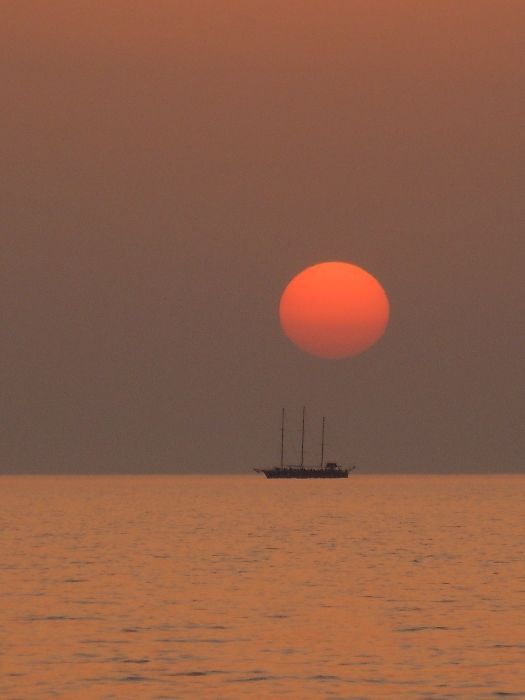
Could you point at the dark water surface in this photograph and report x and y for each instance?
(170, 587)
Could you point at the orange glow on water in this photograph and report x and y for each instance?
(334, 310)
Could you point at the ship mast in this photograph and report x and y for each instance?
(282, 438)
(322, 443)
(302, 439)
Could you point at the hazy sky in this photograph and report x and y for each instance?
(170, 165)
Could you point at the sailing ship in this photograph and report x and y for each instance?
(330, 470)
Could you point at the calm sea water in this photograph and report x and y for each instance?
(239, 587)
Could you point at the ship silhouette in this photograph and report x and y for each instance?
(330, 470)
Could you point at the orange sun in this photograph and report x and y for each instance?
(334, 310)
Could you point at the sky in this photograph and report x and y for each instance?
(169, 166)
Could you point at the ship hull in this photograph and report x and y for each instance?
(305, 473)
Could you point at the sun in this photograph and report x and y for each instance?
(334, 310)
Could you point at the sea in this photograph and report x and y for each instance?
(235, 586)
